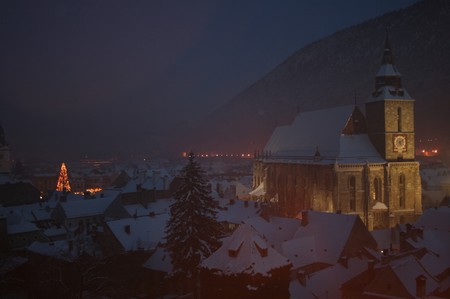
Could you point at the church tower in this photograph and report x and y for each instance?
(390, 126)
(390, 113)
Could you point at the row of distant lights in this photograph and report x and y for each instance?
(435, 151)
(185, 154)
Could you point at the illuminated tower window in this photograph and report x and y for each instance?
(399, 119)
(377, 189)
(401, 191)
(352, 193)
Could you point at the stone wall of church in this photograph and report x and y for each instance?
(295, 187)
(405, 200)
(403, 121)
(381, 194)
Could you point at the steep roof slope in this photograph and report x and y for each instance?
(245, 252)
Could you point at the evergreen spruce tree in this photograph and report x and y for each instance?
(192, 231)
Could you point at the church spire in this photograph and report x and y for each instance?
(388, 75)
(388, 57)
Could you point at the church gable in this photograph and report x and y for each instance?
(356, 123)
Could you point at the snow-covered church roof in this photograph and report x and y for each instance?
(321, 132)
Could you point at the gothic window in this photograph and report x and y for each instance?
(377, 189)
(401, 191)
(399, 119)
(352, 193)
(327, 182)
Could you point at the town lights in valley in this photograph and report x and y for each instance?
(429, 152)
(219, 155)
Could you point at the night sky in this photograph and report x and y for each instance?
(106, 78)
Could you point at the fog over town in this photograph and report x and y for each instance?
(225, 150)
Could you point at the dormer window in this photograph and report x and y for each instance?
(261, 249)
(233, 251)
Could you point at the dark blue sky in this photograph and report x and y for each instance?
(101, 78)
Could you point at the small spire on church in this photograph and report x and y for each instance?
(388, 75)
(388, 57)
(317, 156)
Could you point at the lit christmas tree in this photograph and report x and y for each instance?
(63, 180)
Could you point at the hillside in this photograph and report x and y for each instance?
(332, 71)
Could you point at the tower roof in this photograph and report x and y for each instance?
(388, 57)
(388, 81)
(388, 75)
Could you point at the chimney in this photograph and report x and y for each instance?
(421, 283)
(301, 277)
(420, 233)
(344, 261)
(127, 229)
(305, 220)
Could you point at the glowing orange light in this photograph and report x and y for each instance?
(63, 180)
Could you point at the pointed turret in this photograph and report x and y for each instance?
(388, 75)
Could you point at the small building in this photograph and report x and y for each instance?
(85, 213)
(245, 266)
(325, 239)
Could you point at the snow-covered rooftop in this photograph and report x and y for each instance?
(236, 211)
(408, 269)
(321, 241)
(24, 227)
(159, 261)
(435, 218)
(160, 206)
(388, 70)
(245, 252)
(389, 93)
(327, 282)
(57, 249)
(86, 207)
(275, 229)
(140, 233)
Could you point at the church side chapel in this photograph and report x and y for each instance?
(340, 160)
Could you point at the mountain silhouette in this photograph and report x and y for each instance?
(338, 70)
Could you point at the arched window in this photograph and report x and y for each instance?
(377, 189)
(399, 119)
(401, 191)
(352, 193)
